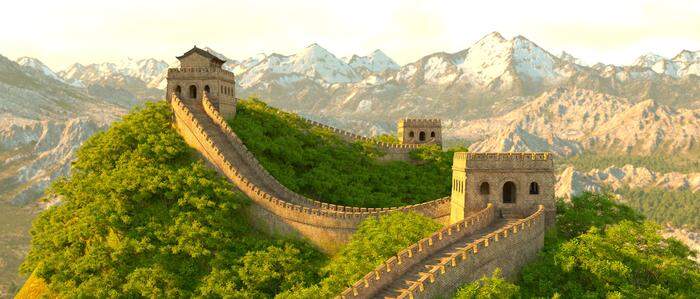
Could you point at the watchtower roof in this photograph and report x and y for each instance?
(203, 53)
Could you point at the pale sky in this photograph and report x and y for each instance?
(612, 31)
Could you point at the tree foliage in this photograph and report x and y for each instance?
(140, 217)
(319, 164)
(493, 287)
(678, 207)
(604, 249)
(375, 240)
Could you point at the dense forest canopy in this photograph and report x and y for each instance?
(317, 163)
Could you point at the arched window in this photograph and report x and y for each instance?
(222, 89)
(178, 91)
(509, 192)
(421, 136)
(410, 134)
(534, 188)
(193, 92)
(432, 134)
(207, 89)
(484, 189)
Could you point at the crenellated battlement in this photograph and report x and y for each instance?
(250, 177)
(394, 266)
(201, 73)
(468, 260)
(503, 161)
(420, 122)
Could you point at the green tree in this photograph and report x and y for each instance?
(588, 210)
(375, 240)
(319, 164)
(493, 287)
(604, 249)
(140, 216)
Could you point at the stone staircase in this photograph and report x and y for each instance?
(396, 288)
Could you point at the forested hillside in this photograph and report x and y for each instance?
(315, 162)
(142, 216)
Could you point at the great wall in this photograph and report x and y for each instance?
(482, 232)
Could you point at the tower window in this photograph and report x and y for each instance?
(484, 189)
(178, 90)
(534, 188)
(207, 89)
(509, 192)
(421, 136)
(432, 134)
(193, 92)
(411, 134)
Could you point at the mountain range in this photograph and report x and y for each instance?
(497, 95)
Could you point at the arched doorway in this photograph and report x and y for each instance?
(421, 136)
(432, 134)
(509, 192)
(178, 91)
(193, 92)
(207, 89)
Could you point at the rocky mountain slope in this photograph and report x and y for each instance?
(128, 82)
(571, 182)
(43, 121)
(570, 121)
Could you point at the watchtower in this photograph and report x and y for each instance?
(515, 183)
(420, 131)
(201, 72)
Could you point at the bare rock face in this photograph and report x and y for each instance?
(570, 121)
(571, 182)
(34, 153)
(43, 121)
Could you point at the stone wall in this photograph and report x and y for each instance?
(327, 226)
(392, 151)
(508, 248)
(473, 170)
(410, 129)
(397, 265)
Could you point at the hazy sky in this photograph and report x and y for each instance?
(612, 31)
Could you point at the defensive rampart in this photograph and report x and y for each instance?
(507, 248)
(392, 151)
(276, 209)
(397, 265)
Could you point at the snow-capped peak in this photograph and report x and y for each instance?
(493, 55)
(36, 64)
(648, 60)
(685, 63)
(566, 56)
(375, 62)
(686, 56)
(313, 61)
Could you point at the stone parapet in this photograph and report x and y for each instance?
(525, 235)
(397, 265)
(465, 161)
(421, 122)
(301, 209)
(349, 136)
(200, 73)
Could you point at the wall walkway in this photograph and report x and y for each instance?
(275, 208)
